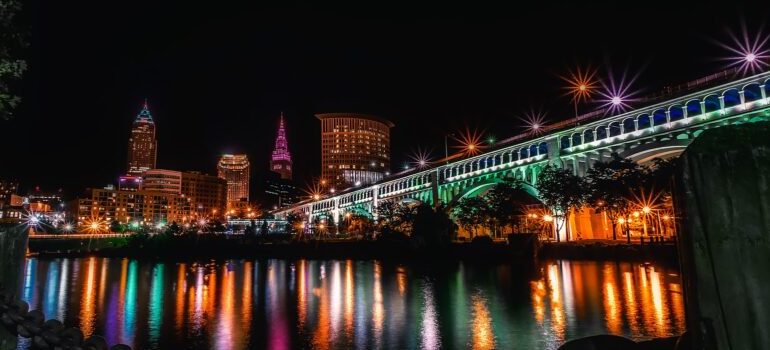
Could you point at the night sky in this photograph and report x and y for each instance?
(217, 76)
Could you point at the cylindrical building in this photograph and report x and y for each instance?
(355, 149)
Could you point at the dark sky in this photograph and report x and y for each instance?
(218, 73)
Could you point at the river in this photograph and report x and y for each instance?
(339, 304)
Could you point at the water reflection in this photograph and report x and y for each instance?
(279, 304)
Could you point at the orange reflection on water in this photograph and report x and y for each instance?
(87, 312)
(224, 334)
(349, 304)
(321, 336)
(401, 280)
(557, 309)
(657, 302)
(378, 311)
(538, 299)
(634, 302)
(483, 336)
(246, 298)
(611, 302)
(181, 287)
(631, 310)
(301, 294)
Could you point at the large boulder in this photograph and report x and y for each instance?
(723, 195)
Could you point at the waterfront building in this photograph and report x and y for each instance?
(355, 149)
(235, 169)
(280, 161)
(207, 194)
(161, 180)
(142, 145)
(140, 207)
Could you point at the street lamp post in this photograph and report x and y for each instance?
(446, 146)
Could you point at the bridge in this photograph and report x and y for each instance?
(659, 129)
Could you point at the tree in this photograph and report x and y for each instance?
(561, 191)
(264, 229)
(470, 213)
(396, 216)
(12, 41)
(610, 185)
(502, 203)
(251, 230)
(432, 228)
(293, 221)
(117, 227)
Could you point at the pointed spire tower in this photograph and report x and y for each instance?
(142, 146)
(280, 162)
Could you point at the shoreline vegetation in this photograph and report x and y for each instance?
(518, 247)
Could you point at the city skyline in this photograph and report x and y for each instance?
(199, 124)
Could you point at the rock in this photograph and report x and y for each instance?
(600, 342)
(95, 343)
(723, 191)
(53, 325)
(39, 343)
(72, 336)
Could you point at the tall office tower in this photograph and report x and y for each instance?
(355, 149)
(142, 146)
(280, 162)
(234, 168)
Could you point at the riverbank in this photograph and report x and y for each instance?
(519, 247)
(610, 250)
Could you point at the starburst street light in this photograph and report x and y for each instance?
(470, 142)
(747, 55)
(580, 85)
(420, 158)
(534, 120)
(617, 94)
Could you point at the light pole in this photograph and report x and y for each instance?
(446, 146)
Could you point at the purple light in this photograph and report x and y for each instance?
(534, 120)
(420, 158)
(747, 55)
(617, 94)
(281, 151)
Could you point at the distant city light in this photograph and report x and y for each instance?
(616, 100)
(358, 183)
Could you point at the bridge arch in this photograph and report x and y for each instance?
(752, 92)
(600, 132)
(480, 188)
(659, 149)
(629, 125)
(643, 121)
(659, 117)
(577, 139)
(693, 108)
(731, 97)
(676, 112)
(588, 136)
(711, 103)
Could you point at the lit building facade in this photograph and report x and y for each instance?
(235, 169)
(142, 145)
(141, 207)
(207, 194)
(355, 149)
(280, 160)
(7, 188)
(161, 180)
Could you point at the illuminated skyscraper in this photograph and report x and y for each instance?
(142, 146)
(280, 162)
(234, 168)
(355, 149)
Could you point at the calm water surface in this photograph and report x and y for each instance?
(280, 304)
